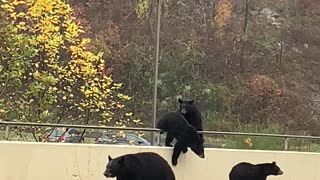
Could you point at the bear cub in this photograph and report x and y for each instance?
(186, 135)
(139, 166)
(192, 114)
(248, 171)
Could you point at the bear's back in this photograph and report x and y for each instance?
(244, 171)
(150, 166)
(173, 122)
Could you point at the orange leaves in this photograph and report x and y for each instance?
(248, 141)
(261, 100)
(223, 13)
(262, 85)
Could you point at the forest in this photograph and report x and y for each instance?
(251, 66)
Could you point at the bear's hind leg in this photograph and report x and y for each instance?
(169, 139)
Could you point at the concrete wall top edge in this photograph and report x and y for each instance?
(157, 147)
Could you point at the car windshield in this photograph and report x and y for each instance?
(57, 132)
(131, 137)
(126, 138)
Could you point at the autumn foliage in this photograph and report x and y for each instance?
(223, 13)
(246, 62)
(46, 72)
(262, 85)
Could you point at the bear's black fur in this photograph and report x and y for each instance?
(186, 135)
(140, 166)
(248, 171)
(192, 114)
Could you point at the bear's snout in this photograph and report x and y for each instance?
(183, 111)
(107, 174)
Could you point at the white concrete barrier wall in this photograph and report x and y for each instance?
(50, 161)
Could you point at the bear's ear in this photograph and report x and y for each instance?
(179, 100)
(273, 163)
(109, 158)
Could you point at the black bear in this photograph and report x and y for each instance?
(248, 171)
(139, 166)
(192, 114)
(186, 135)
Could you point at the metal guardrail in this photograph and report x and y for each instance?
(286, 137)
(7, 125)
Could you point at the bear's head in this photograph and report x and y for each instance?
(186, 106)
(195, 142)
(114, 167)
(272, 169)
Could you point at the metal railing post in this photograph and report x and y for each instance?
(6, 134)
(158, 138)
(286, 143)
(156, 67)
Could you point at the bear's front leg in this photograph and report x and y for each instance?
(185, 150)
(176, 152)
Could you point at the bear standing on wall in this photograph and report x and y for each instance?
(192, 114)
(186, 135)
(247, 171)
(140, 166)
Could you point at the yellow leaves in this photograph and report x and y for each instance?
(36, 9)
(87, 92)
(17, 2)
(223, 13)
(2, 111)
(120, 124)
(72, 30)
(72, 79)
(106, 115)
(21, 26)
(47, 7)
(123, 97)
(120, 106)
(84, 42)
(95, 90)
(142, 8)
(137, 121)
(45, 114)
(52, 90)
(21, 14)
(40, 7)
(8, 7)
(13, 15)
(101, 105)
(117, 85)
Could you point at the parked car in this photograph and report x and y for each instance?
(68, 135)
(127, 139)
